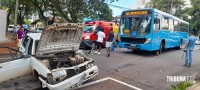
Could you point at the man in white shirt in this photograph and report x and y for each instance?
(100, 38)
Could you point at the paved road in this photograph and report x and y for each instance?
(125, 70)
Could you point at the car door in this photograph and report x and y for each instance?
(26, 46)
(13, 64)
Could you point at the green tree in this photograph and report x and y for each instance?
(70, 10)
(77, 10)
(169, 6)
(194, 12)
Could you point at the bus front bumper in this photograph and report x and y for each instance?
(146, 47)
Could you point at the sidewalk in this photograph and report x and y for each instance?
(196, 86)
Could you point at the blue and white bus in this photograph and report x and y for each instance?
(151, 30)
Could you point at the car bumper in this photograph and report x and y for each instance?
(73, 81)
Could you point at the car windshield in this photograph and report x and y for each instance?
(135, 26)
(89, 29)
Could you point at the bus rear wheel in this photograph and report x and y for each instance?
(180, 45)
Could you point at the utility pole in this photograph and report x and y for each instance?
(16, 10)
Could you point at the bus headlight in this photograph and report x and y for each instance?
(147, 41)
(87, 37)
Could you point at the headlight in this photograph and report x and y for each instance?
(89, 65)
(87, 37)
(59, 73)
(147, 41)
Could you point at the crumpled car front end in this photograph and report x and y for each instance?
(58, 50)
(68, 78)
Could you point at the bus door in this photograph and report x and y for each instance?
(156, 32)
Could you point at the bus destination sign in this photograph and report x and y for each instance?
(136, 13)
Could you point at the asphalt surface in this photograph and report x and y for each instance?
(127, 70)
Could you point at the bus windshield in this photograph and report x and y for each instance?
(135, 25)
(89, 29)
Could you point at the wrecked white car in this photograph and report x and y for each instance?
(55, 58)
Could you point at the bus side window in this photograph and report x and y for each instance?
(156, 24)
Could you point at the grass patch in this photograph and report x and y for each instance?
(182, 86)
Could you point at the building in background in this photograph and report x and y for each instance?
(187, 3)
(140, 4)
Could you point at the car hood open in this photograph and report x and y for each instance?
(59, 38)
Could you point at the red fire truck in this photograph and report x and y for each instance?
(89, 36)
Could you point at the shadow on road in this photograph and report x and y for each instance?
(147, 53)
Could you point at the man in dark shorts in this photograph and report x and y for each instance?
(109, 41)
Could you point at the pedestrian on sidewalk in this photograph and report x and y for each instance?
(100, 38)
(189, 46)
(109, 41)
(20, 35)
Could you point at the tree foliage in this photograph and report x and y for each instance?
(77, 10)
(194, 12)
(169, 6)
(70, 10)
(175, 7)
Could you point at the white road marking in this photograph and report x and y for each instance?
(125, 84)
(109, 78)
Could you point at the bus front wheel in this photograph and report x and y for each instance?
(158, 52)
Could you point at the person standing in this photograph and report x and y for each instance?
(112, 48)
(20, 35)
(109, 41)
(189, 46)
(100, 38)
